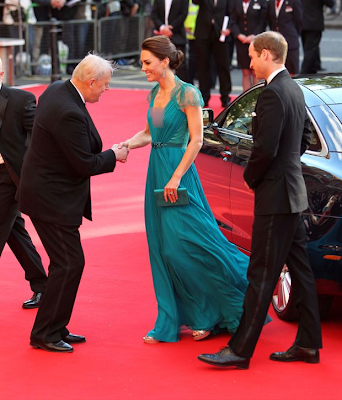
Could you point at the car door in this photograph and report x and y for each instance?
(214, 168)
(238, 127)
(226, 148)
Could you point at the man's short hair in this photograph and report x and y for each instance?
(274, 42)
(93, 66)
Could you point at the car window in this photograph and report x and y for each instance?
(315, 141)
(239, 118)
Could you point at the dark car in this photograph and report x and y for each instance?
(224, 155)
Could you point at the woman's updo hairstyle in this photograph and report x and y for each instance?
(162, 47)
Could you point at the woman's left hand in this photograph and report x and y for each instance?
(170, 190)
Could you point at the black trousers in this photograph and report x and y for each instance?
(276, 240)
(311, 61)
(13, 232)
(220, 50)
(63, 246)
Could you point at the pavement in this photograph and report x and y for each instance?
(333, 21)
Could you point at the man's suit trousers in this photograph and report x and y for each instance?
(277, 240)
(311, 62)
(63, 246)
(13, 232)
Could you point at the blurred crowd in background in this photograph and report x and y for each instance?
(209, 32)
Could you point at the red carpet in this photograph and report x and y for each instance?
(116, 306)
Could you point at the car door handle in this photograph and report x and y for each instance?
(225, 155)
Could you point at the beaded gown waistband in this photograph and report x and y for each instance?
(158, 145)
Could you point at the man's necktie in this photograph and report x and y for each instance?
(278, 3)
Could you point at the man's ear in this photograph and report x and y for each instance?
(264, 54)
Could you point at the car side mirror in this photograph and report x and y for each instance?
(208, 117)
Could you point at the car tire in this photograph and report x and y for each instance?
(284, 299)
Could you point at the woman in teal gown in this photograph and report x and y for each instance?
(199, 277)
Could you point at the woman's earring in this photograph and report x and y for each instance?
(164, 73)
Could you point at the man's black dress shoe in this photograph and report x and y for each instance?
(57, 347)
(225, 358)
(71, 338)
(34, 301)
(296, 353)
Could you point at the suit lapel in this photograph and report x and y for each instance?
(93, 129)
(162, 3)
(83, 107)
(3, 103)
(272, 7)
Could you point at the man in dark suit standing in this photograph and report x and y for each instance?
(313, 26)
(54, 191)
(274, 172)
(208, 30)
(168, 17)
(17, 110)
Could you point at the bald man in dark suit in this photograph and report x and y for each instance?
(65, 151)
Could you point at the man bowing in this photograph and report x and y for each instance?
(66, 150)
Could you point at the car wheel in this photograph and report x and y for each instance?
(284, 303)
(283, 300)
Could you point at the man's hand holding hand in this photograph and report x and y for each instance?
(121, 152)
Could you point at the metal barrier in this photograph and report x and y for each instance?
(111, 36)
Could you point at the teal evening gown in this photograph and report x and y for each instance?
(199, 277)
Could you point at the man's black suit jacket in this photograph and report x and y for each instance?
(281, 134)
(177, 15)
(17, 109)
(289, 22)
(208, 12)
(65, 151)
(313, 19)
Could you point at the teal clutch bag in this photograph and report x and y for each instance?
(183, 198)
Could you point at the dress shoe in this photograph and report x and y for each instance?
(71, 338)
(225, 358)
(34, 301)
(296, 353)
(57, 347)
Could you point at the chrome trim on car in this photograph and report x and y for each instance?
(236, 134)
(324, 151)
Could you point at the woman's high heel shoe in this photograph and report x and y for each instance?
(200, 334)
(150, 339)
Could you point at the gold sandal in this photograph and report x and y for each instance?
(200, 334)
(150, 340)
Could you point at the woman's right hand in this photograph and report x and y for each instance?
(122, 144)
